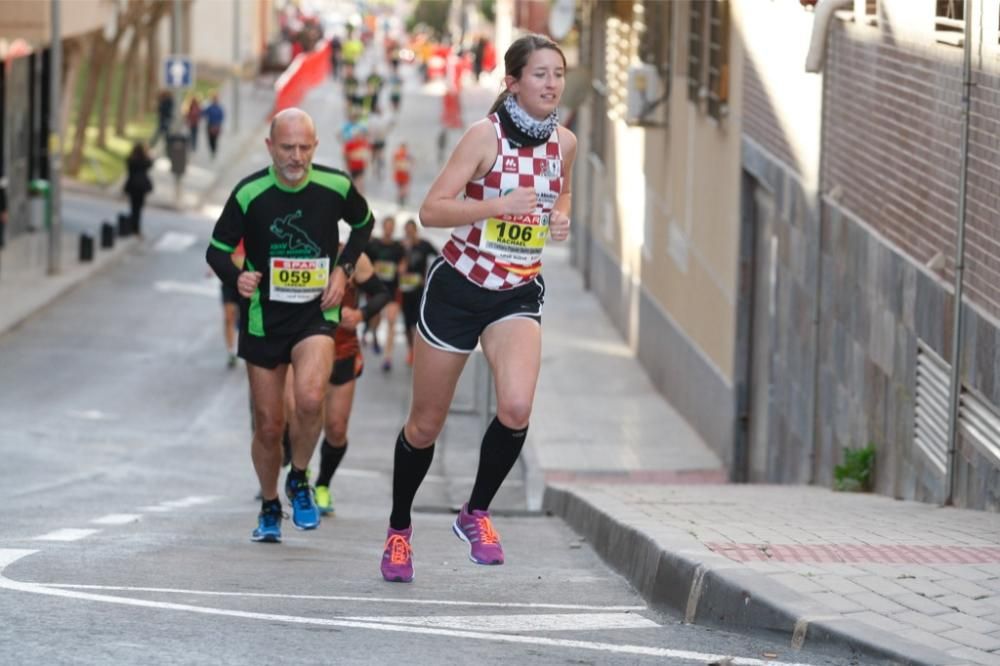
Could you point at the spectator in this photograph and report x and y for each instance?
(164, 114)
(138, 184)
(214, 115)
(194, 120)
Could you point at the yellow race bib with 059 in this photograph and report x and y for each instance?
(516, 239)
(298, 280)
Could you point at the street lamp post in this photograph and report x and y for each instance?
(55, 142)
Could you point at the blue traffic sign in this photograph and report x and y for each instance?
(178, 72)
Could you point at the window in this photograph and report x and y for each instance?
(653, 26)
(870, 13)
(708, 55)
(696, 48)
(949, 22)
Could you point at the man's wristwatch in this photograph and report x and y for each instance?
(348, 269)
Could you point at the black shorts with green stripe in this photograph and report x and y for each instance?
(270, 351)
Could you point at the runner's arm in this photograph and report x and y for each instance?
(377, 296)
(361, 221)
(226, 237)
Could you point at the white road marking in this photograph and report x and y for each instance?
(117, 519)
(8, 556)
(66, 534)
(91, 415)
(318, 597)
(203, 288)
(520, 623)
(175, 241)
(183, 503)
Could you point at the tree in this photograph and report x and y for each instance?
(97, 62)
(128, 21)
(433, 14)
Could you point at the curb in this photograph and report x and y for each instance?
(671, 569)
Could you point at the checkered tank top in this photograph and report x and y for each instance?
(506, 251)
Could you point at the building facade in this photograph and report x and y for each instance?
(785, 268)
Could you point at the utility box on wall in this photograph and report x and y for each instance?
(646, 101)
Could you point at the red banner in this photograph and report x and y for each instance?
(307, 71)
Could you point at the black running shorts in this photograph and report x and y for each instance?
(273, 350)
(230, 294)
(456, 311)
(346, 370)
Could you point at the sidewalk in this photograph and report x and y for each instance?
(899, 582)
(25, 286)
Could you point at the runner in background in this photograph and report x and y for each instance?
(388, 256)
(402, 164)
(411, 284)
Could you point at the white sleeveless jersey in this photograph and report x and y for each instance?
(506, 251)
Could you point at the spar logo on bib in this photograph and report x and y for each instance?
(510, 165)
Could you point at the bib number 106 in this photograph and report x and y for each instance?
(514, 232)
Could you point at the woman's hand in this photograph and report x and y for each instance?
(558, 225)
(519, 201)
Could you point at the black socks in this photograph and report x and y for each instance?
(329, 459)
(497, 455)
(410, 466)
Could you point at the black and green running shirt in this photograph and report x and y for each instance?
(291, 237)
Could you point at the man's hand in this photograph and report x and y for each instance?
(334, 292)
(247, 283)
(350, 318)
(558, 225)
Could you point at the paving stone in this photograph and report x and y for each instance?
(921, 604)
(975, 639)
(975, 656)
(925, 622)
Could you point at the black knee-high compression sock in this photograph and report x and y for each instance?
(329, 459)
(497, 455)
(410, 466)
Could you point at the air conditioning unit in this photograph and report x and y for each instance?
(646, 102)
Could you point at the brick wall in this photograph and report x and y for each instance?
(892, 112)
(760, 121)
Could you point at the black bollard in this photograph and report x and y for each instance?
(107, 235)
(86, 247)
(124, 225)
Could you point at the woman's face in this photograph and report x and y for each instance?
(541, 84)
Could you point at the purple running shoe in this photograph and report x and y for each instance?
(397, 558)
(476, 529)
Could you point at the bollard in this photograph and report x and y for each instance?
(124, 225)
(107, 235)
(86, 247)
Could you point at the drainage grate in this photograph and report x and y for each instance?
(930, 427)
(980, 425)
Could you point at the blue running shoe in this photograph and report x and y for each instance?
(305, 514)
(268, 527)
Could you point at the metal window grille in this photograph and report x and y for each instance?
(979, 425)
(696, 47)
(930, 427)
(718, 59)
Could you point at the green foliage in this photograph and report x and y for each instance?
(855, 474)
(431, 13)
(488, 8)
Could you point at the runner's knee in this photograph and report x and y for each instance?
(515, 413)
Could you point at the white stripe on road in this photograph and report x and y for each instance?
(319, 597)
(66, 534)
(183, 503)
(7, 556)
(521, 623)
(174, 241)
(117, 519)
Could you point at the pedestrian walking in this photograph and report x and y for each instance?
(291, 289)
(164, 116)
(193, 118)
(137, 183)
(214, 116)
(513, 170)
(348, 365)
(418, 253)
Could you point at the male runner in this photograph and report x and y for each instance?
(418, 254)
(292, 283)
(386, 254)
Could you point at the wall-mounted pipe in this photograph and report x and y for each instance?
(821, 25)
(957, 324)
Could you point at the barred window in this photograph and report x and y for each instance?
(696, 49)
(655, 25)
(708, 55)
(949, 22)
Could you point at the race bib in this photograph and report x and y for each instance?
(411, 281)
(298, 280)
(385, 270)
(516, 239)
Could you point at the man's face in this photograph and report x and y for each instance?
(292, 146)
